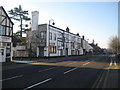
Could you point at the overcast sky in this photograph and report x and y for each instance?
(94, 20)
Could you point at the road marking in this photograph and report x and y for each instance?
(111, 62)
(86, 63)
(70, 70)
(115, 63)
(38, 84)
(47, 69)
(11, 78)
(97, 82)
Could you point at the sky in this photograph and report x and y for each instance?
(95, 20)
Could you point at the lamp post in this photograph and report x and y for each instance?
(67, 41)
(49, 35)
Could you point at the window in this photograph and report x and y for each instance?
(72, 45)
(7, 31)
(42, 35)
(78, 39)
(50, 37)
(10, 33)
(54, 36)
(2, 30)
(78, 45)
(52, 49)
(0, 16)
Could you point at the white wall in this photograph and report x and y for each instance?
(70, 36)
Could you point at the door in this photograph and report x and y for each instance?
(66, 51)
(41, 51)
(61, 52)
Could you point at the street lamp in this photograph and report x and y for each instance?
(52, 22)
(49, 35)
(67, 41)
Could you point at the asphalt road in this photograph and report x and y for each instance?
(85, 72)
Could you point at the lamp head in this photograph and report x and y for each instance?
(53, 23)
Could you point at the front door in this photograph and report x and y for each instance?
(41, 51)
(66, 51)
(61, 52)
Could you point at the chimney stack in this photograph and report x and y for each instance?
(77, 34)
(67, 29)
(35, 19)
(83, 37)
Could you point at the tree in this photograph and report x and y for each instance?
(114, 44)
(19, 14)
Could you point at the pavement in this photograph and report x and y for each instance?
(109, 78)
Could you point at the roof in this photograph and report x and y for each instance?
(60, 29)
(1, 7)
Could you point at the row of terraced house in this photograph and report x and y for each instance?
(44, 40)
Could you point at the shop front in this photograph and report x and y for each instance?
(5, 49)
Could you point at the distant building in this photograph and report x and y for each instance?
(87, 48)
(6, 32)
(19, 47)
(46, 40)
(96, 49)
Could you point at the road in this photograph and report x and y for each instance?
(85, 72)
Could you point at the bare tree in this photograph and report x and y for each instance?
(114, 44)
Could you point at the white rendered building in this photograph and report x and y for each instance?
(52, 41)
(46, 40)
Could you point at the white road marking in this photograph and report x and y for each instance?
(86, 63)
(111, 62)
(70, 70)
(47, 69)
(54, 67)
(11, 78)
(38, 84)
(115, 63)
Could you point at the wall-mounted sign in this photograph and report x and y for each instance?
(5, 39)
(20, 47)
(52, 44)
(59, 47)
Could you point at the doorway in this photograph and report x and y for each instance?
(66, 51)
(41, 51)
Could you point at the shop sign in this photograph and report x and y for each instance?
(52, 44)
(5, 39)
(20, 47)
